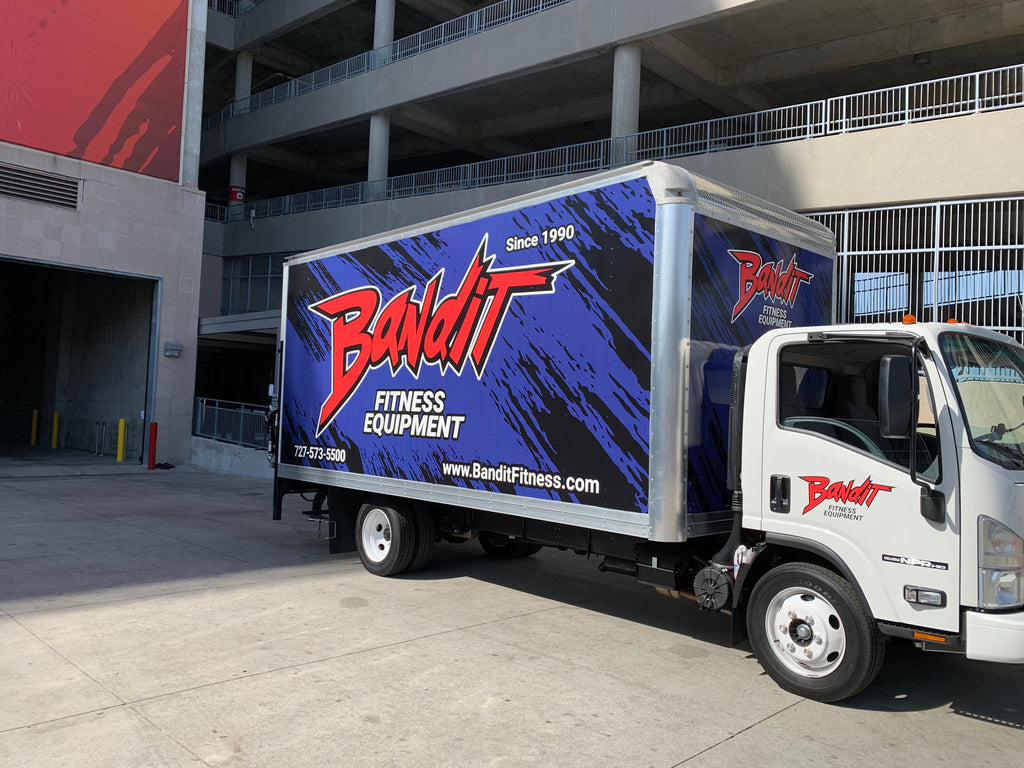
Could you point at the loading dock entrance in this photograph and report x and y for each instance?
(77, 349)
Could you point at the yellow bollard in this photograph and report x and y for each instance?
(53, 433)
(120, 439)
(34, 438)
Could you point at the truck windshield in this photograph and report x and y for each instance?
(989, 377)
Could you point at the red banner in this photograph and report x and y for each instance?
(103, 82)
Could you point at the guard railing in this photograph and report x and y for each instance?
(230, 422)
(994, 89)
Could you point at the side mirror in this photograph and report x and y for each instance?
(896, 390)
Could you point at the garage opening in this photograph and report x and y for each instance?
(76, 351)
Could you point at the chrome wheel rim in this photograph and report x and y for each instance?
(805, 632)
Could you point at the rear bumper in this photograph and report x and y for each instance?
(995, 636)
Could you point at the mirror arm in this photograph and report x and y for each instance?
(933, 501)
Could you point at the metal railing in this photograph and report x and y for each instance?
(216, 212)
(978, 92)
(230, 422)
(936, 261)
(227, 7)
(232, 7)
(459, 28)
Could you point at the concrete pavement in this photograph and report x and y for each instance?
(162, 619)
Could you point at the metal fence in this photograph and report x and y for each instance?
(936, 261)
(977, 92)
(229, 422)
(232, 7)
(459, 28)
(227, 7)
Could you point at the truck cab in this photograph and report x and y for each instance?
(891, 457)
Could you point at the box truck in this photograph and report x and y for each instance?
(641, 366)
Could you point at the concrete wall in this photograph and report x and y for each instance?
(101, 357)
(127, 225)
(215, 456)
(868, 168)
(210, 285)
(972, 156)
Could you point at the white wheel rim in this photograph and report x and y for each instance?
(806, 632)
(376, 535)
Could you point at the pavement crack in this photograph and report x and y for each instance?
(738, 733)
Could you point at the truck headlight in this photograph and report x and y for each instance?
(1001, 565)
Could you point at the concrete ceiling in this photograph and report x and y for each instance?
(768, 54)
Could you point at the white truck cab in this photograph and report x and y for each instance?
(894, 455)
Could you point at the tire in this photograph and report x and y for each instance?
(812, 634)
(426, 533)
(385, 538)
(504, 547)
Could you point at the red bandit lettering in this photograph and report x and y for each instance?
(405, 332)
(821, 489)
(774, 280)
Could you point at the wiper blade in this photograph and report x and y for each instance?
(1012, 451)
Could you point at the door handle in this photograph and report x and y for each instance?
(779, 494)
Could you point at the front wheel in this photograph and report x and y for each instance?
(812, 634)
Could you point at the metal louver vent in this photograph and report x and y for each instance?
(38, 186)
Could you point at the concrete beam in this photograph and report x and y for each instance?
(284, 60)
(452, 132)
(270, 20)
(343, 161)
(575, 112)
(332, 165)
(442, 10)
(672, 59)
(962, 28)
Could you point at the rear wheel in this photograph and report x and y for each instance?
(385, 538)
(426, 533)
(812, 634)
(506, 548)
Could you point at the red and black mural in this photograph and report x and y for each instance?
(104, 82)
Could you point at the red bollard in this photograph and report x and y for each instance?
(151, 464)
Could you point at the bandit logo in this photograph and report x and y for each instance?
(461, 326)
(821, 489)
(774, 280)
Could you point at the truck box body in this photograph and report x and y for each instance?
(564, 356)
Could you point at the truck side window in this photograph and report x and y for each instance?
(802, 391)
(832, 391)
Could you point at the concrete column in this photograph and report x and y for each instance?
(626, 90)
(193, 126)
(243, 89)
(243, 75)
(383, 23)
(380, 138)
(236, 178)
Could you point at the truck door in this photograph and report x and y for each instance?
(833, 483)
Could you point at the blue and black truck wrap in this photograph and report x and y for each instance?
(563, 357)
